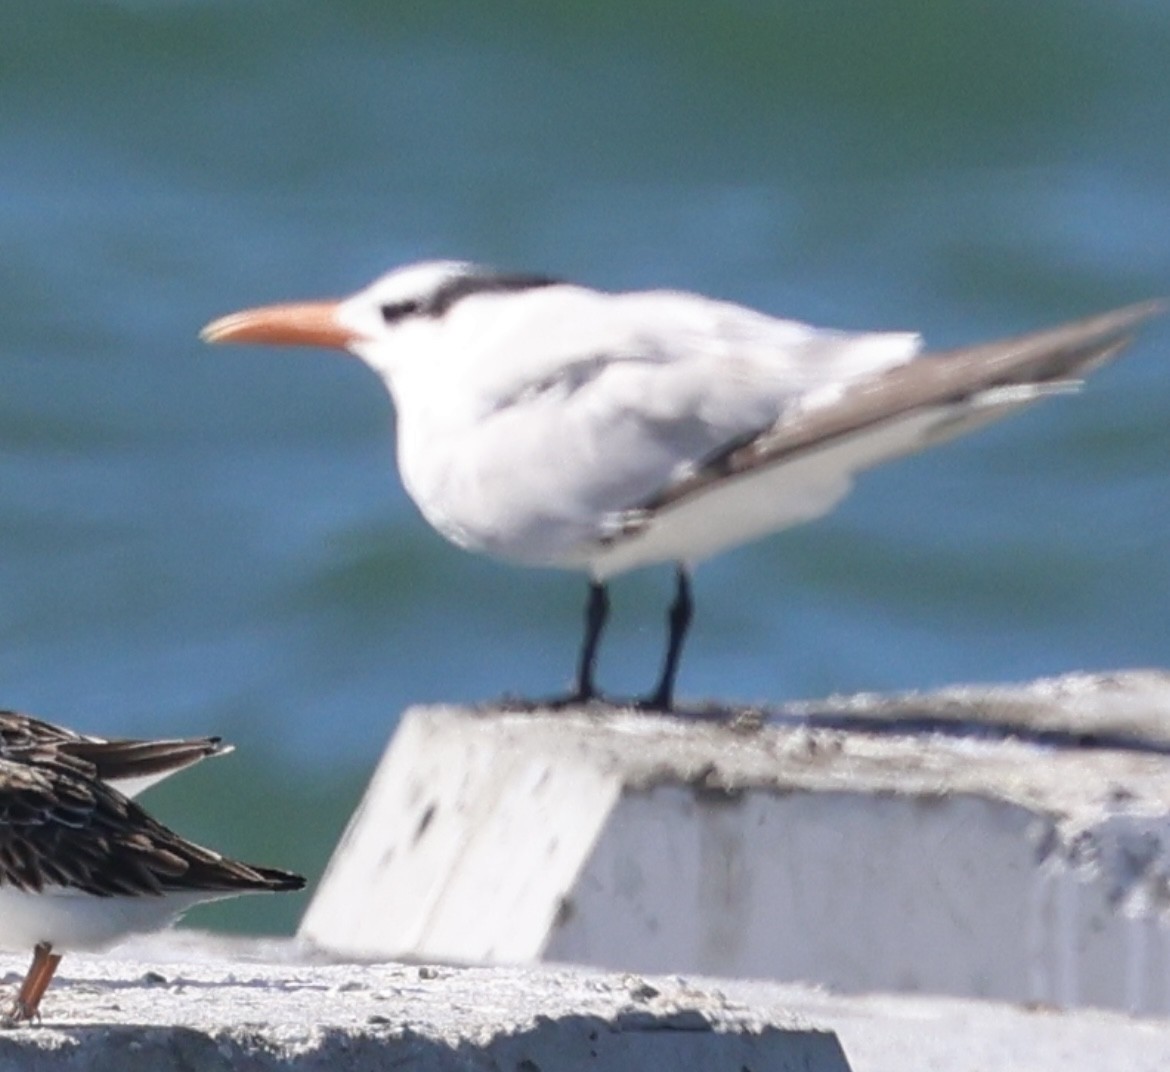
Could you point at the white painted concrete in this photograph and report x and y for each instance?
(148, 1010)
(929, 853)
(426, 862)
(860, 893)
(185, 1001)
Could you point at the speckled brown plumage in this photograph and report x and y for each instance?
(110, 759)
(59, 826)
(81, 864)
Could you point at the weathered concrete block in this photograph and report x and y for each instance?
(215, 1012)
(967, 842)
(184, 1000)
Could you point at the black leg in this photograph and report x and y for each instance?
(596, 611)
(584, 690)
(681, 611)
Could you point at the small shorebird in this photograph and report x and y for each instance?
(83, 866)
(553, 425)
(130, 766)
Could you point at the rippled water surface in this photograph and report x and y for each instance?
(197, 540)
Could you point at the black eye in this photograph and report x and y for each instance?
(395, 311)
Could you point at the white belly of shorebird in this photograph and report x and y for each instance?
(68, 919)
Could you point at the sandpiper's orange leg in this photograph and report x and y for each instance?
(36, 982)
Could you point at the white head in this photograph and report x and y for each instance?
(375, 321)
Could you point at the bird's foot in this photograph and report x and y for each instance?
(561, 702)
(19, 1012)
(657, 703)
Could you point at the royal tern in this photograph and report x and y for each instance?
(82, 866)
(550, 424)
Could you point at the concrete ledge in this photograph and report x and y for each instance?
(967, 843)
(209, 1013)
(187, 1003)
(1124, 709)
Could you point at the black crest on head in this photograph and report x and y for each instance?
(464, 285)
(484, 281)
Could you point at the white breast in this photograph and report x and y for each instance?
(70, 920)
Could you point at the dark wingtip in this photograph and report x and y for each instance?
(279, 881)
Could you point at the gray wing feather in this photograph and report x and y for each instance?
(1052, 356)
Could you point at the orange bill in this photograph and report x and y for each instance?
(295, 324)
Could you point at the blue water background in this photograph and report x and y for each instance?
(197, 540)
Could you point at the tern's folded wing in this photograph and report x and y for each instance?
(586, 405)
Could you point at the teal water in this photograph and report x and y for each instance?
(197, 540)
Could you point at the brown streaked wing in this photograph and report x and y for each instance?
(23, 731)
(110, 759)
(60, 827)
